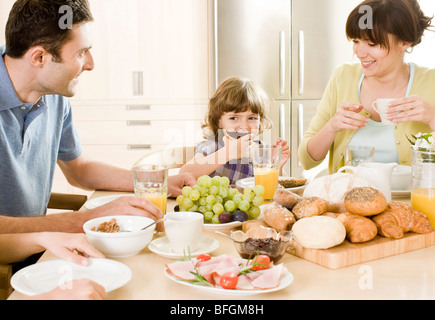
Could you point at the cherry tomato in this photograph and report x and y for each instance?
(261, 263)
(229, 280)
(202, 258)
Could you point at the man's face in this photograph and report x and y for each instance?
(63, 77)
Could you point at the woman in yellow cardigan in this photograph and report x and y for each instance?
(382, 31)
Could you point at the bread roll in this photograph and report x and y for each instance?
(261, 232)
(319, 232)
(309, 207)
(292, 182)
(333, 188)
(286, 198)
(365, 201)
(248, 224)
(358, 228)
(278, 217)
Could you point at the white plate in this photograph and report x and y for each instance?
(46, 276)
(400, 193)
(286, 279)
(250, 183)
(222, 226)
(161, 247)
(229, 225)
(97, 202)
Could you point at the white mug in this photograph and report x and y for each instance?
(184, 230)
(380, 106)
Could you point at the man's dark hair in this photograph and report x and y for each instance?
(37, 23)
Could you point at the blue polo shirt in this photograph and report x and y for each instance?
(32, 139)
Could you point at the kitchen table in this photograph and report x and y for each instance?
(406, 276)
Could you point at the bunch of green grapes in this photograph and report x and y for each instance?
(219, 203)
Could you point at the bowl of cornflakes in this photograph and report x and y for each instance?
(119, 236)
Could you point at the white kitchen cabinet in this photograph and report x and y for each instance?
(5, 8)
(121, 134)
(148, 49)
(150, 86)
(135, 130)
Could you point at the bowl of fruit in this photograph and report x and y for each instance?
(222, 205)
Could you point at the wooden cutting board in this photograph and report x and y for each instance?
(348, 254)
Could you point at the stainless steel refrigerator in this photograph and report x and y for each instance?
(290, 48)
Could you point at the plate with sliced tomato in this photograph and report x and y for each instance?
(230, 276)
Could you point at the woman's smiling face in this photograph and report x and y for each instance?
(378, 61)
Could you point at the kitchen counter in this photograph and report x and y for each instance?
(406, 276)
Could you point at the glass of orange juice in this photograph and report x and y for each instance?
(266, 159)
(423, 183)
(151, 182)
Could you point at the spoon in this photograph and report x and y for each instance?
(225, 235)
(155, 222)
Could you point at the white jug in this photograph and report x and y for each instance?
(379, 174)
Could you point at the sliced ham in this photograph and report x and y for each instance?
(220, 265)
(244, 283)
(269, 278)
(214, 268)
(182, 269)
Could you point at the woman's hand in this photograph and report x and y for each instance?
(412, 108)
(348, 117)
(68, 246)
(83, 289)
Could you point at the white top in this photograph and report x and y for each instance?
(378, 135)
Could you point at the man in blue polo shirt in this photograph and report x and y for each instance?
(40, 67)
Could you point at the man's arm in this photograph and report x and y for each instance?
(72, 222)
(93, 175)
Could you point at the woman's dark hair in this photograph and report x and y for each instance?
(403, 19)
(39, 23)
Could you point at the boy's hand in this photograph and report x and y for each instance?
(285, 155)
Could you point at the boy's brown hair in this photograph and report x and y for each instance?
(236, 95)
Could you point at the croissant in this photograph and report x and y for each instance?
(400, 218)
(358, 228)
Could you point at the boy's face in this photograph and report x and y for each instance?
(244, 122)
(63, 77)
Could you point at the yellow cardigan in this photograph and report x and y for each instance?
(343, 87)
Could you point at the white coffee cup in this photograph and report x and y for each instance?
(380, 106)
(184, 230)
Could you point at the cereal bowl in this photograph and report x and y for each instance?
(129, 241)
